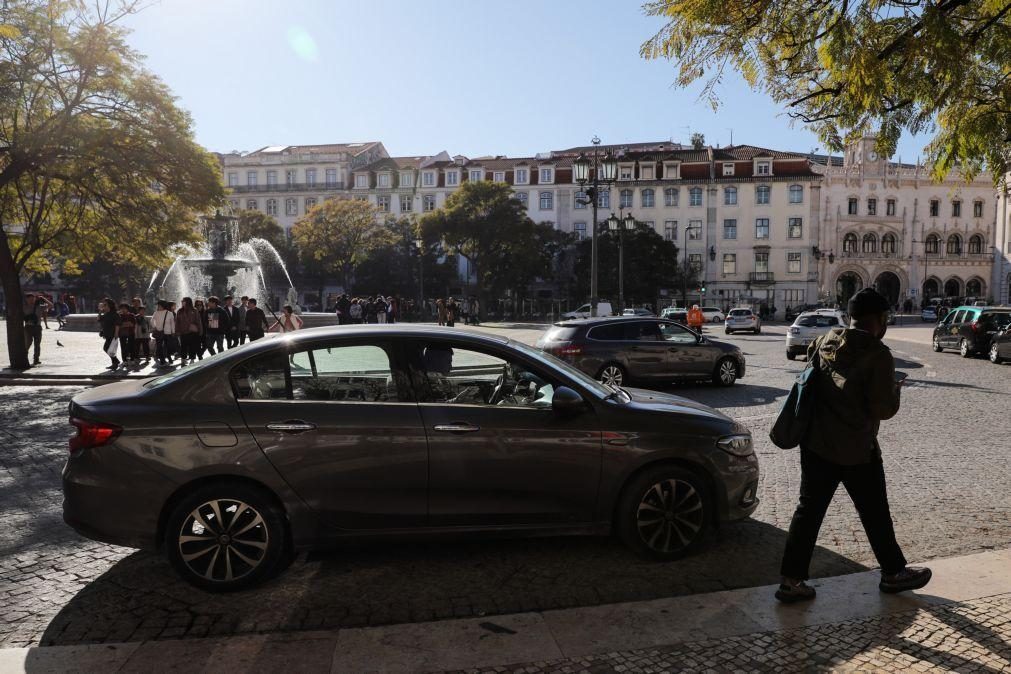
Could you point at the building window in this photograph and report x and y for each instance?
(728, 169)
(764, 168)
(580, 229)
(331, 177)
(271, 178)
(795, 228)
(647, 198)
(956, 209)
(890, 207)
(428, 203)
(762, 263)
(406, 204)
(888, 244)
(271, 206)
(499, 176)
(730, 229)
(579, 200)
(796, 194)
(547, 201)
(383, 203)
(407, 179)
(694, 230)
(695, 261)
(872, 207)
(310, 176)
(428, 178)
(793, 263)
(251, 204)
(849, 243)
(975, 245)
(851, 206)
(977, 209)
(649, 224)
(522, 197)
(672, 171)
(870, 244)
(729, 261)
(383, 180)
(670, 197)
(604, 199)
(625, 199)
(452, 178)
(251, 178)
(520, 176)
(476, 175)
(310, 203)
(290, 207)
(361, 181)
(290, 177)
(932, 246)
(695, 196)
(626, 172)
(954, 245)
(645, 173)
(935, 208)
(729, 196)
(547, 176)
(233, 179)
(762, 228)
(762, 194)
(235, 204)
(670, 230)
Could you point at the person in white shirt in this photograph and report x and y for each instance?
(163, 326)
(289, 321)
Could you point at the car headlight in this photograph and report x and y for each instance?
(738, 445)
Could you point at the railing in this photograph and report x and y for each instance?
(287, 187)
(761, 277)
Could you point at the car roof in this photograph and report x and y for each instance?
(599, 320)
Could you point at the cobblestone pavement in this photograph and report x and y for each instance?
(966, 637)
(949, 477)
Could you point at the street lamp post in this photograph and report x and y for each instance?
(619, 225)
(684, 267)
(605, 171)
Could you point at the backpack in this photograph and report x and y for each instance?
(791, 425)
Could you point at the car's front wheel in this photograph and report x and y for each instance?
(225, 536)
(725, 372)
(995, 354)
(717, 319)
(612, 374)
(963, 348)
(937, 345)
(789, 355)
(664, 513)
(727, 331)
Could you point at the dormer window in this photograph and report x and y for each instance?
(521, 176)
(547, 176)
(452, 178)
(626, 172)
(428, 178)
(728, 169)
(499, 176)
(383, 180)
(671, 170)
(763, 168)
(476, 175)
(407, 179)
(646, 172)
(361, 181)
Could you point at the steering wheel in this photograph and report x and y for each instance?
(499, 392)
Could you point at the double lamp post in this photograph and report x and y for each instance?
(605, 172)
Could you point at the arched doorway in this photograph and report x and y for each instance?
(932, 288)
(974, 288)
(888, 284)
(846, 286)
(953, 287)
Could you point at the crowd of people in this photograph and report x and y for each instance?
(393, 309)
(187, 331)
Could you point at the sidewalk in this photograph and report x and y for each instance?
(961, 621)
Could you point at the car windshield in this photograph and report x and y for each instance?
(817, 321)
(740, 312)
(549, 360)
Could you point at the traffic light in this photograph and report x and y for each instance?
(702, 289)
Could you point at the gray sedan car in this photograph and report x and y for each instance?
(303, 440)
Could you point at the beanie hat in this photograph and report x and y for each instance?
(867, 302)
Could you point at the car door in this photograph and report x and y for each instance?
(954, 332)
(338, 421)
(689, 357)
(498, 453)
(645, 350)
(943, 330)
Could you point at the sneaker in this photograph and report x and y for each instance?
(791, 593)
(910, 578)
(115, 364)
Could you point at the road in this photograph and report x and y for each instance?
(946, 454)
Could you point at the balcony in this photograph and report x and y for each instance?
(761, 278)
(287, 187)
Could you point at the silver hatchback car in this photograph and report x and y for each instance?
(807, 327)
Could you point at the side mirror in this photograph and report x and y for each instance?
(567, 401)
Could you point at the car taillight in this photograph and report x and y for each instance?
(92, 434)
(794, 331)
(975, 326)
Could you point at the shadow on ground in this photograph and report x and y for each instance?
(140, 598)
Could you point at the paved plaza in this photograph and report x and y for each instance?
(946, 455)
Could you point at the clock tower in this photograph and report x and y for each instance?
(861, 153)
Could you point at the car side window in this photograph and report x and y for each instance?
(261, 378)
(608, 333)
(351, 373)
(455, 376)
(677, 334)
(959, 316)
(646, 331)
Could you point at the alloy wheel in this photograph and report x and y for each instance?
(611, 376)
(994, 353)
(670, 516)
(963, 348)
(937, 345)
(727, 372)
(223, 540)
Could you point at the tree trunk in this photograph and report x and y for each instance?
(17, 348)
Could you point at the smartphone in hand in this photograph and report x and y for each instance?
(900, 377)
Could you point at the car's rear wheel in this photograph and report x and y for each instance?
(758, 331)
(225, 536)
(725, 372)
(963, 348)
(717, 319)
(937, 346)
(612, 374)
(995, 354)
(727, 331)
(789, 355)
(664, 513)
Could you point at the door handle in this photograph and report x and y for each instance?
(291, 426)
(457, 427)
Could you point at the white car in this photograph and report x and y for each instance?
(742, 319)
(603, 309)
(713, 315)
(809, 326)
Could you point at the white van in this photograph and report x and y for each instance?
(603, 309)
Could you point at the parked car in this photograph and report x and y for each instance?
(677, 314)
(638, 311)
(929, 314)
(713, 314)
(806, 328)
(970, 329)
(742, 319)
(617, 351)
(231, 464)
(603, 309)
(1000, 346)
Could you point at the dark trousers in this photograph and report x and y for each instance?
(242, 336)
(105, 347)
(190, 345)
(214, 340)
(142, 343)
(126, 343)
(33, 336)
(233, 339)
(162, 352)
(865, 484)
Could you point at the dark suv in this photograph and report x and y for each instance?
(616, 350)
(970, 329)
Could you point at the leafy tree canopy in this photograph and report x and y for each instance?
(846, 67)
(698, 141)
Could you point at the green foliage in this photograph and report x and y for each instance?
(846, 68)
(698, 141)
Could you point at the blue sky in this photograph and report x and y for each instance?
(472, 77)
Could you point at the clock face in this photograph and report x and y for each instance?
(872, 155)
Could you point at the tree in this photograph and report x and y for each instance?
(338, 235)
(698, 141)
(484, 223)
(848, 67)
(96, 160)
(253, 224)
